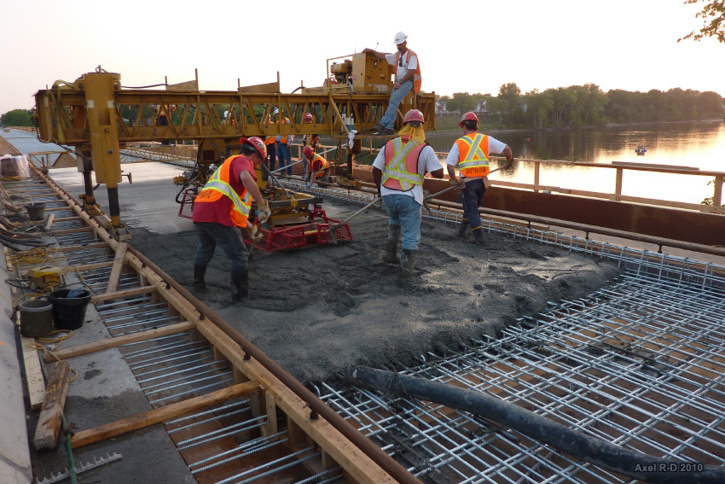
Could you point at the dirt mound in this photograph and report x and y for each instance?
(319, 310)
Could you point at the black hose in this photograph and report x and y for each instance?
(603, 454)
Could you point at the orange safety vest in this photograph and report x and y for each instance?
(401, 164)
(473, 155)
(324, 165)
(417, 80)
(218, 186)
(284, 136)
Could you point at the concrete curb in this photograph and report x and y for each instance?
(15, 465)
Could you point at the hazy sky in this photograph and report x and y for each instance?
(463, 47)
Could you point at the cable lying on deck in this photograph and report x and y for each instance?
(603, 454)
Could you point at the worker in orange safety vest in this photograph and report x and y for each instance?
(470, 155)
(222, 207)
(407, 78)
(399, 171)
(317, 166)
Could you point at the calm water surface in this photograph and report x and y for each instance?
(694, 144)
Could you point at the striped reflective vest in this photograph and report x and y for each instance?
(417, 80)
(218, 186)
(401, 164)
(318, 165)
(473, 155)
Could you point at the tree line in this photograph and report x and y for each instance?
(571, 106)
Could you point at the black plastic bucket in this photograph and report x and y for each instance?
(36, 318)
(69, 312)
(36, 211)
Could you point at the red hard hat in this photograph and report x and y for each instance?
(257, 144)
(413, 115)
(308, 116)
(469, 116)
(308, 150)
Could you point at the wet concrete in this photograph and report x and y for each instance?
(320, 310)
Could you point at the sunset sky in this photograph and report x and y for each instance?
(470, 47)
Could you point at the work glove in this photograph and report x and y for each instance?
(263, 213)
(457, 184)
(257, 234)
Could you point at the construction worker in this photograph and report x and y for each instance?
(317, 167)
(470, 155)
(162, 119)
(312, 140)
(283, 143)
(221, 207)
(407, 78)
(271, 142)
(399, 171)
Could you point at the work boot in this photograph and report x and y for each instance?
(199, 284)
(391, 249)
(240, 285)
(407, 260)
(478, 236)
(461, 234)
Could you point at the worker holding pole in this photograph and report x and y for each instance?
(223, 205)
(399, 171)
(470, 155)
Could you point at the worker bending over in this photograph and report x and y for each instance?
(317, 167)
(470, 155)
(407, 78)
(222, 207)
(312, 140)
(399, 171)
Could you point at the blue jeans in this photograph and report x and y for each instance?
(228, 238)
(388, 119)
(285, 157)
(404, 211)
(472, 199)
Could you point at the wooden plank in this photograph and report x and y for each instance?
(48, 430)
(121, 294)
(117, 267)
(33, 373)
(51, 217)
(118, 341)
(356, 463)
(159, 415)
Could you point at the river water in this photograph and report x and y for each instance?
(700, 145)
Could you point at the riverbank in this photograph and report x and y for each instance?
(449, 124)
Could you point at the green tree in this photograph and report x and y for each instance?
(511, 93)
(713, 20)
(540, 107)
(461, 101)
(17, 117)
(564, 101)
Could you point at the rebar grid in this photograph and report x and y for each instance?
(639, 364)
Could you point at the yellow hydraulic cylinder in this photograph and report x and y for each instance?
(101, 111)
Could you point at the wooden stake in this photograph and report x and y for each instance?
(48, 430)
(117, 267)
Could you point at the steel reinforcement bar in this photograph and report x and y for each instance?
(210, 386)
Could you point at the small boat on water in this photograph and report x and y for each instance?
(641, 150)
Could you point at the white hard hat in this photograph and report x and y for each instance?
(400, 37)
(276, 111)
